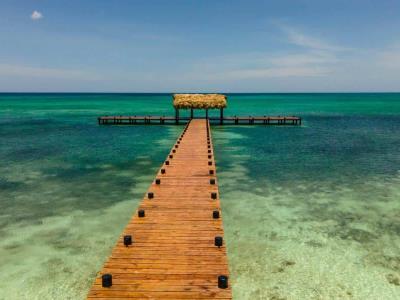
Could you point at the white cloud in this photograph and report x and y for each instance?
(36, 15)
(390, 58)
(276, 72)
(282, 66)
(304, 59)
(303, 63)
(311, 58)
(48, 73)
(298, 38)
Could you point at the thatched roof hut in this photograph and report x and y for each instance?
(199, 101)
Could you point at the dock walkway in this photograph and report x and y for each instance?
(165, 120)
(177, 249)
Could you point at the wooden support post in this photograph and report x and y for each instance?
(191, 113)
(207, 113)
(221, 116)
(176, 115)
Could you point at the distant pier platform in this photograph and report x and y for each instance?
(170, 120)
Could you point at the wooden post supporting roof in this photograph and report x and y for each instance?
(177, 115)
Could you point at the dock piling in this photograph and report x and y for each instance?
(106, 280)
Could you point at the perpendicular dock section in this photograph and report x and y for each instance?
(235, 120)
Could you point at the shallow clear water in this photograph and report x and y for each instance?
(310, 212)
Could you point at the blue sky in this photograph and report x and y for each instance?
(176, 46)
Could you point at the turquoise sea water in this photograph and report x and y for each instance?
(310, 212)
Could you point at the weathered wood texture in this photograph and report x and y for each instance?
(173, 254)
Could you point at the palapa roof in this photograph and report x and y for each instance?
(199, 101)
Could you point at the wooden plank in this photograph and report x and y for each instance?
(168, 120)
(173, 254)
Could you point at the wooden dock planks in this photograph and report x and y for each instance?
(235, 120)
(173, 254)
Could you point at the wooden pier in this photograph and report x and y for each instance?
(173, 247)
(165, 120)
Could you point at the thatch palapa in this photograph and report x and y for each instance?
(199, 101)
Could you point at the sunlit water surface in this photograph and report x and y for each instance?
(310, 212)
